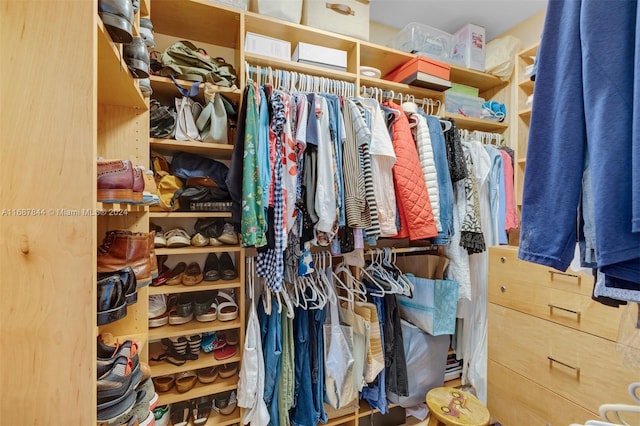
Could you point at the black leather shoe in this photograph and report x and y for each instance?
(211, 272)
(136, 56)
(227, 269)
(117, 16)
(112, 304)
(128, 278)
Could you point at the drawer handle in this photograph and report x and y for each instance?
(552, 360)
(565, 275)
(341, 8)
(552, 307)
(503, 288)
(503, 259)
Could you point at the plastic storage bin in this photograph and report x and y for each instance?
(459, 103)
(424, 40)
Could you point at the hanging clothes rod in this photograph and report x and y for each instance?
(429, 105)
(293, 81)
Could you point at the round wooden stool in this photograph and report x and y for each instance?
(453, 407)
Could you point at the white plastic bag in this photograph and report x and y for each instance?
(501, 55)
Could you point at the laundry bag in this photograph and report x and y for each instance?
(433, 306)
(339, 361)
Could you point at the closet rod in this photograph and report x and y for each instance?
(370, 251)
(292, 81)
(433, 105)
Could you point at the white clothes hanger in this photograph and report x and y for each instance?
(613, 412)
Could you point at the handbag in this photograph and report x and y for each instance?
(433, 306)
(212, 121)
(339, 362)
(186, 129)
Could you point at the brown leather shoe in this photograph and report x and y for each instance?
(153, 261)
(138, 184)
(115, 181)
(122, 248)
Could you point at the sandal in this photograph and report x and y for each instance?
(192, 275)
(225, 402)
(205, 307)
(194, 346)
(163, 383)
(186, 380)
(181, 413)
(228, 370)
(207, 375)
(201, 410)
(182, 312)
(177, 237)
(228, 309)
(212, 341)
(176, 274)
(231, 336)
(225, 353)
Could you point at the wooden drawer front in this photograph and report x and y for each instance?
(583, 368)
(505, 266)
(514, 400)
(563, 307)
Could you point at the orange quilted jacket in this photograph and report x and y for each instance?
(416, 216)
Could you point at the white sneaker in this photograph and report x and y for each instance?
(157, 305)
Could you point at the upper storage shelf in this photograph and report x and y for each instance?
(197, 20)
(383, 58)
(481, 80)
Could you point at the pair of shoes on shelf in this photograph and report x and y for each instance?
(183, 381)
(216, 267)
(217, 230)
(122, 248)
(196, 410)
(116, 291)
(120, 182)
(178, 350)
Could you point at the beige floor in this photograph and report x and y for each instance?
(412, 421)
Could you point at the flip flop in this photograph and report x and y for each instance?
(180, 413)
(213, 341)
(225, 353)
(227, 308)
(228, 370)
(201, 410)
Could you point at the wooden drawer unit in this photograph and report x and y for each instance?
(582, 368)
(504, 265)
(515, 400)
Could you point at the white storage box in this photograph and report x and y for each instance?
(287, 10)
(469, 50)
(239, 4)
(459, 103)
(347, 17)
(267, 46)
(321, 56)
(425, 41)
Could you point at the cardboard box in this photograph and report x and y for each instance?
(347, 17)
(321, 56)
(469, 49)
(267, 46)
(427, 81)
(420, 64)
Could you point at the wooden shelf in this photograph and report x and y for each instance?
(200, 389)
(217, 419)
(203, 286)
(294, 33)
(470, 123)
(186, 215)
(481, 80)
(115, 84)
(197, 250)
(381, 57)
(340, 420)
(169, 146)
(525, 112)
(528, 52)
(453, 383)
(527, 85)
(163, 368)
(192, 327)
(197, 20)
(115, 207)
(405, 89)
(165, 91)
(254, 59)
(522, 160)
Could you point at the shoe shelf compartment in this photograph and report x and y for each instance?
(186, 215)
(163, 368)
(115, 84)
(119, 209)
(217, 419)
(203, 286)
(193, 327)
(196, 250)
(206, 149)
(471, 123)
(200, 389)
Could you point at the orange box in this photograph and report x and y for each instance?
(420, 64)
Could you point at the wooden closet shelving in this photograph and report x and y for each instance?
(168, 146)
(203, 286)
